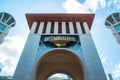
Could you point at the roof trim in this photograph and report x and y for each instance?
(60, 17)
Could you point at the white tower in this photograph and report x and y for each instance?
(6, 22)
(113, 23)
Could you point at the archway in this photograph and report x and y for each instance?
(59, 60)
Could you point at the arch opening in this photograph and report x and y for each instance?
(59, 76)
(60, 60)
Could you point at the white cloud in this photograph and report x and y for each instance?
(89, 6)
(92, 5)
(9, 53)
(109, 3)
(74, 6)
(116, 73)
(86, 7)
(117, 3)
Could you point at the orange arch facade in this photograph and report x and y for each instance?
(59, 43)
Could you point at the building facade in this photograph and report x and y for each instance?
(113, 23)
(6, 22)
(59, 43)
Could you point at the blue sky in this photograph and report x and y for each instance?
(106, 44)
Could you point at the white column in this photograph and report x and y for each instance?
(71, 28)
(56, 28)
(85, 26)
(33, 27)
(79, 30)
(63, 28)
(114, 18)
(48, 28)
(41, 28)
